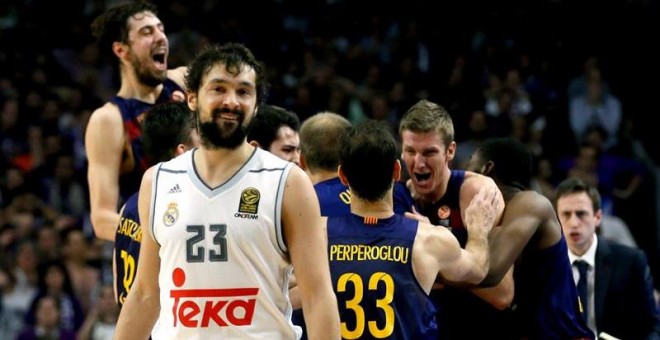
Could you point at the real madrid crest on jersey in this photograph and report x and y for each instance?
(171, 214)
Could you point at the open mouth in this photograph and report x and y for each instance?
(159, 59)
(421, 178)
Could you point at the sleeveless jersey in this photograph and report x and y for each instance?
(457, 307)
(335, 197)
(447, 211)
(546, 300)
(134, 162)
(377, 292)
(224, 268)
(127, 248)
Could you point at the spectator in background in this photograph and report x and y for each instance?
(54, 280)
(85, 278)
(595, 108)
(478, 131)
(48, 243)
(13, 304)
(64, 191)
(275, 129)
(616, 230)
(591, 71)
(48, 325)
(618, 298)
(543, 178)
(615, 177)
(101, 320)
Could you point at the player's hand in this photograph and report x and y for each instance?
(481, 212)
(417, 216)
(178, 96)
(411, 189)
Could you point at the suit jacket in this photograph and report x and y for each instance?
(624, 303)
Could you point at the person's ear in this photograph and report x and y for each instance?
(396, 174)
(599, 216)
(191, 98)
(451, 151)
(342, 176)
(254, 143)
(180, 149)
(303, 164)
(488, 167)
(119, 49)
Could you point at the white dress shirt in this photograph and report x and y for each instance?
(589, 257)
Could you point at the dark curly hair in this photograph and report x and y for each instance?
(266, 124)
(234, 56)
(112, 25)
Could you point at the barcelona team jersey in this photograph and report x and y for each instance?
(134, 162)
(378, 294)
(457, 307)
(546, 300)
(447, 211)
(127, 248)
(335, 197)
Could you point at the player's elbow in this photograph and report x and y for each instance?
(101, 231)
(490, 280)
(502, 302)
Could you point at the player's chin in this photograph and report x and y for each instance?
(423, 187)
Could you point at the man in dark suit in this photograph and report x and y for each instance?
(616, 280)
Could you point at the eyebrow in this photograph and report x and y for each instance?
(290, 146)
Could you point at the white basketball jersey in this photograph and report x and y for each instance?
(224, 270)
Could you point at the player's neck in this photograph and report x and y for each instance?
(319, 176)
(508, 191)
(384, 208)
(216, 166)
(132, 88)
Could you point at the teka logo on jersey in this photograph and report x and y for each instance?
(200, 307)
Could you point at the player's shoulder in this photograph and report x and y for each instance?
(108, 112)
(105, 126)
(530, 199)
(530, 202)
(476, 178)
(268, 160)
(178, 75)
(622, 250)
(473, 181)
(178, 163)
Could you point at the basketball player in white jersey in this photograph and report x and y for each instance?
(226, 223)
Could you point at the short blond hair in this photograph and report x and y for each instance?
(426, 116)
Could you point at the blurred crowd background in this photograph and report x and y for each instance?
(575, 80)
